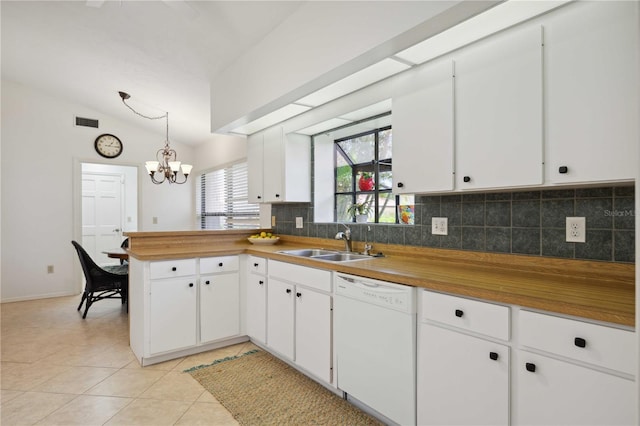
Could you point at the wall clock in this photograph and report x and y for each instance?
(109, 146)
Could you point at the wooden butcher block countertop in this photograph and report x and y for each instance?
(602, 291)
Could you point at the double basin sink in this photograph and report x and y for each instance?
(327, 255)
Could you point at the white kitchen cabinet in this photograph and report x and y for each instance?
(280, 317)
(279, 167)
(183, 306)
(554, 392)
(423, 131)
(256, 304)
(172, 314)
(219, 306)
(462, 378)
(591, 93)
(299, 316)
(313, 332)
(572, 372)
(498, 111)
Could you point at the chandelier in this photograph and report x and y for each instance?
(166, 164)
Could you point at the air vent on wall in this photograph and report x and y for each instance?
(86, 122)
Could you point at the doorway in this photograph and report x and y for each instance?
(109, 207)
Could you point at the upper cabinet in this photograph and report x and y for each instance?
(279, 167)
(591, 72)
(423, 131)
(498, 111)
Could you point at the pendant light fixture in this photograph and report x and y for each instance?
(166, 164)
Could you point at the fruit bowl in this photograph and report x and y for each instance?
(265, 241)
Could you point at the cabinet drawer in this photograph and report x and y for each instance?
(211, 265)
(479, 317)
(257, 265)
(596, 344)
(172, 268)
(309, 277)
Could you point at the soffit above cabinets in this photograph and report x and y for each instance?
(496, 19)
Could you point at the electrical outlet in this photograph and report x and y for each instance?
(49, 269)
(298, 222)
(576, 229)
(273, 221)
(154, 220)
(439, 226)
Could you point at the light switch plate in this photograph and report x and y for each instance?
(439, 226)
(298, 222)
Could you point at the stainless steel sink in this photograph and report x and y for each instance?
(327, 255)
(342, 257)
(308, 252)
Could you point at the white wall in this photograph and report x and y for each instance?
(41, 155)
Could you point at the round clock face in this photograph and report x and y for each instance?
(109, 146)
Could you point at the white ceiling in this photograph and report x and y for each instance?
(163, 53)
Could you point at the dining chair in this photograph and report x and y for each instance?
(124, 245)
(108, 282)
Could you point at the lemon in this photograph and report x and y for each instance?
(263, 234)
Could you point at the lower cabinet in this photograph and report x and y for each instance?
(219, 306)
(299, 317)
(572, 372)
(180, 305)
(461, 379)
(256, 299)
(551, 391)
(172, 314)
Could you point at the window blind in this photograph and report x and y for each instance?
(222, 198)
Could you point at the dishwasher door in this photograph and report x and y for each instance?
(376, 345)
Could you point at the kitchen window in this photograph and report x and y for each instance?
(363, 176)
(222, 199)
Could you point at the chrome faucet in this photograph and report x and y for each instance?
(346, 236)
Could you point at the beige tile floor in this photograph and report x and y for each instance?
(58, 369)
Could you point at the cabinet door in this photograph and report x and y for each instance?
(257, 307)
(558, 392)
(423, 132)
(172, 314)
(313, 332)
(219, 306)
(273, 172)
(280, 306)
(255, 162)
(459, 381)
(592, 97)
(499, 111)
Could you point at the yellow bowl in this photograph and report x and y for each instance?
(265, 241)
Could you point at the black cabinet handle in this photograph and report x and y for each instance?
(190, 284)
(174, 269)
(277, 195)
(459, 313)
(580, 342)
(207, 282)
(288, 291)
(299, 294)
(259, 197)
(563, 169)
(256, 265)
(466, 179)
(260, 282)
(493, 356)
(220, 264)
(400, 184)
(530, 367)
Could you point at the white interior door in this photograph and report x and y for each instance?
(102, 210)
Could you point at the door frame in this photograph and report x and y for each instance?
(77, 205)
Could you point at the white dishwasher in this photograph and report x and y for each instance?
(375, 328)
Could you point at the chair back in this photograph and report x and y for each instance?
(96, 277)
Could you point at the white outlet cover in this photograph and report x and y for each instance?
(576, 230)
(298, 222)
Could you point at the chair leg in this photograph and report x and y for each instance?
(89, 303)
(84, 296)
